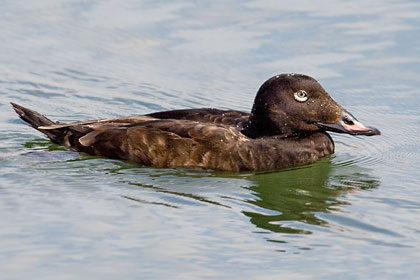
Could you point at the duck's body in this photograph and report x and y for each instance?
(269, 138)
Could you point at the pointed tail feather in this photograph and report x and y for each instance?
(36, 120)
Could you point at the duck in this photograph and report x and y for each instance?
(286, 127)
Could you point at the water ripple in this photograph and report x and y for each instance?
(74, 215)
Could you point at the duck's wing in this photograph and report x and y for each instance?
(160, 143)
(146, 140)
(208, 115)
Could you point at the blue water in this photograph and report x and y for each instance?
(64, 215)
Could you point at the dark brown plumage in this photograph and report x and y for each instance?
(285, 128)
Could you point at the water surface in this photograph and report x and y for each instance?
(64, 215)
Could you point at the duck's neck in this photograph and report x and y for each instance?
(259, 126)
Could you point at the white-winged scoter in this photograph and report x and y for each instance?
(286, 127)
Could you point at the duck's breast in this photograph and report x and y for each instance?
(270, 153)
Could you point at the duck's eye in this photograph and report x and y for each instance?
(301, 96)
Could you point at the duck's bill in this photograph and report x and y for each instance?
(350, 125)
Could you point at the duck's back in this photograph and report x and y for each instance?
(207, 115)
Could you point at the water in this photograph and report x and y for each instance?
(64, 215)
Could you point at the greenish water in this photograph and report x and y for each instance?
(64, 215)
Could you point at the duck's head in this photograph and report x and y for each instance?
(292, 104)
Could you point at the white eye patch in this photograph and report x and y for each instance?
(301, 95)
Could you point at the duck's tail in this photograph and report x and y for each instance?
(37, 120)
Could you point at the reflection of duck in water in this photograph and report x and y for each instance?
(285, 128)
(296, 196)
(291, 201)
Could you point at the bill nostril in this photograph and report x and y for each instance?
(348, 120)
